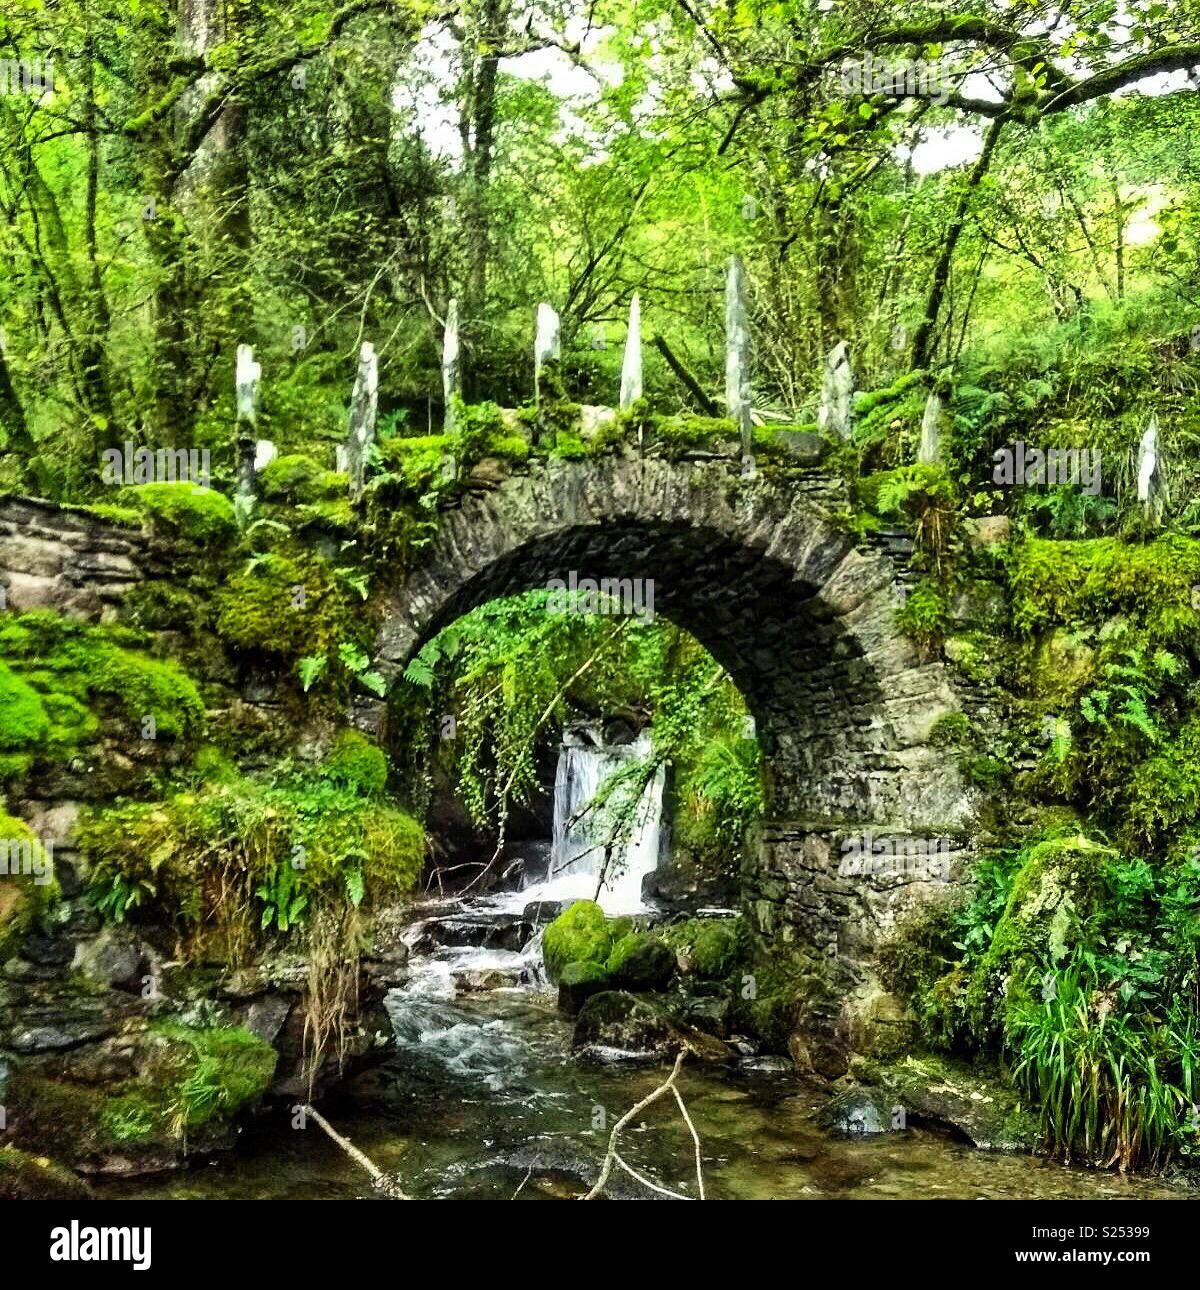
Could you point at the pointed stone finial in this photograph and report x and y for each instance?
(451, 371)
(1151, 478)
(547, 344)
(265, 453)
(247, 377)
(631, 363)
(931, 430)
(737, 352)
(837, 393)
(364, 404)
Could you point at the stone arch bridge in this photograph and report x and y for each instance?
(801, 616)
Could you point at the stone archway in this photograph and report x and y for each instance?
(801, 617)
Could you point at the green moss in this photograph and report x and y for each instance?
(686, 431)
(779, 985)
(79, 671)
(196, 514)
(288, 606)
(294, 477)
(126, 517)
(28, 1177)
(1062, 883)
(715, 947)
(509, 447)
(418, 463)
(950, 730)
(23, 719)
(131, 1117)
(913, 963)
(1069, 583)
(356, 762)
(14, 765)
(623, 947)
(1164, 795)
(166, 606)
(580, 934)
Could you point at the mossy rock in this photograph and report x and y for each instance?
(79, 671)
(1062, 884)
(296, 842)
(640, 961)
(185, 510)
(711, 948)
(1062, 666)
(356, 762)
(296, 478)
(288, 606)
(190, 1085)
(616, 1024)
(578, 982)
(973, 1100)
(580, 934)
(29, 1177)
(23, 719)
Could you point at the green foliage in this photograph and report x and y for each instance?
(1111, 1085)
(924, 614)
(237, 854)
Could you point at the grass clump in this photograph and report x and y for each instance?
(239, 857)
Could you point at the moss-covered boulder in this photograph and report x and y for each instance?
(578, 982)
(972, 1100)
(186, 510)
(28, 1177)
(1063, 882)
(616, 1026)
(188, 1085)
(356, 762)
(294, 477)
(580, 934)
(640, 961)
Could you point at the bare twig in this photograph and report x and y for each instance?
(384, 1182)
(613, 1157)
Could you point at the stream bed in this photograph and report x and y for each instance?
(483, 1100)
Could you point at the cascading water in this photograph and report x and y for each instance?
(577, 853)
(483, 944)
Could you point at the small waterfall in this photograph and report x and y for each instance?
(576, 856)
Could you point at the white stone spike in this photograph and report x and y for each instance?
(738, 401)
(451, 369)
(631, 363)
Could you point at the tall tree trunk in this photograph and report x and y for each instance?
(922, 346)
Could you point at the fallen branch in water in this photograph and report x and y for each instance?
(613, 1158)
(384, 1182)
